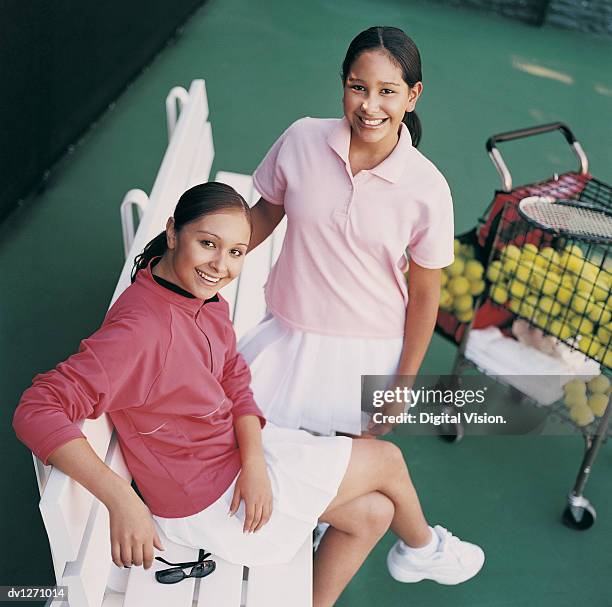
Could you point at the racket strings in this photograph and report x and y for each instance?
(568, 219)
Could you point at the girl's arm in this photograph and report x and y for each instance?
(133, 534)
(266, 216)
(253, 484)
(424, 298)
(421, 313)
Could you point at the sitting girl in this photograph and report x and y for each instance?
(164, 366)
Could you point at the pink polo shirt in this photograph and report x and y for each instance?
(340, 271)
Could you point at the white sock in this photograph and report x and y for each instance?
(423, 551)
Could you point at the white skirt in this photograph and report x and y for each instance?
(305, 472)
(312, 381)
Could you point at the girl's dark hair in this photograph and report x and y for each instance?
(402, 50)
(196, 202)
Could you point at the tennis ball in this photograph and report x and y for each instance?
(604, 334)
(498, 294)
(581, 415)
(446, 300)
(510, 265)
(560, 329)
(473, 270)
(598, 403)
(540, 320)
(494, 271)
(581, 303)
(456, 268)
(550, 284)
(537, 278)
(572, 259)
(528, 252)
(510, 251)
(601, 289)
(477, 287)
(523, 271)
(458, 285)
(589, 345)
(550, 256)
(599, 384)
(549, 306)
(528, 306)
(517, 288)
(514, 305)
(456, 246)
(564, 294)
(465, 316)
(443, 278)
(582, 324)
(463, 303)
(575, 386)
(606, 359)
(575, 400)
(599, 313)
(587, 278)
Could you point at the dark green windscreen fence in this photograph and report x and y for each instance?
(61, 64)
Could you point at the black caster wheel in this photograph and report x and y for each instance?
(451, 433)
(579, 517)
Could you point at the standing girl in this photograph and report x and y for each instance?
(357, 195)
(164, 367)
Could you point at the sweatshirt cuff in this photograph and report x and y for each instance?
(248, 408)
(54, 441)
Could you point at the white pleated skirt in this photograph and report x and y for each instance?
(305, 472)
(313, 381)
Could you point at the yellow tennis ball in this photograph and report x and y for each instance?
(528, 252)
(582, 324)
(598, 403)
(514, 305)
(463, 303)
(606, 359)
(589, 345)
(550, 256)
(477, 287)
(549, 306)
(458, 285)
(604, 334)
(498, 294)
(443, 278)
(456, 268)
(581, 415)
(599, 384)
(523, 271)
(465, 316)
(473, 270)
(446, 300)
(601, 289)
(467, 250)
(575, 386)
(510, 265)
(599, 313)
(529, 306)
(560, 329)
(581, 303)
(537, 278)
(510, 251)
(494, 271)
(574, 399)
(564, 294)
(456, 247)
(517, 288)
(550, 284)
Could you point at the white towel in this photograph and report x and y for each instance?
(495, 354)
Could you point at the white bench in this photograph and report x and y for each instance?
(76, 523)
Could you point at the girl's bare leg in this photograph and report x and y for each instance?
(356, 527)
(379, 466)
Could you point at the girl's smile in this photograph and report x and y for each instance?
(205, 254)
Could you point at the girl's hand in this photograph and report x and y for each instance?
(133, 534)
(253, 486)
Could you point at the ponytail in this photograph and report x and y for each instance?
(412, 121)
(156, 248)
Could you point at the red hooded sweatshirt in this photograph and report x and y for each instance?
(166, 370)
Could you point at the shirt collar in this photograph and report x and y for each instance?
(191, 304)
(391, 168)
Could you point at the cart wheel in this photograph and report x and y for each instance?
(451, 433)
(579, 517)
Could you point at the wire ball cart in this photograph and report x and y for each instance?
(536, 273)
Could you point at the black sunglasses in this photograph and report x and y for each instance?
(200, 568)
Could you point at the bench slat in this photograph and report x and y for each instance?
(279, 585)
(223, 587)
(143, 589)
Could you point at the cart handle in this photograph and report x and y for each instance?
(499, 163)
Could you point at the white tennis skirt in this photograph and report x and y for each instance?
(313, 381)
(305, 472)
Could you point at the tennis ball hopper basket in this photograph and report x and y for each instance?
(545, 255)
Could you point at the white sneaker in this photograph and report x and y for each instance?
(453, 562)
